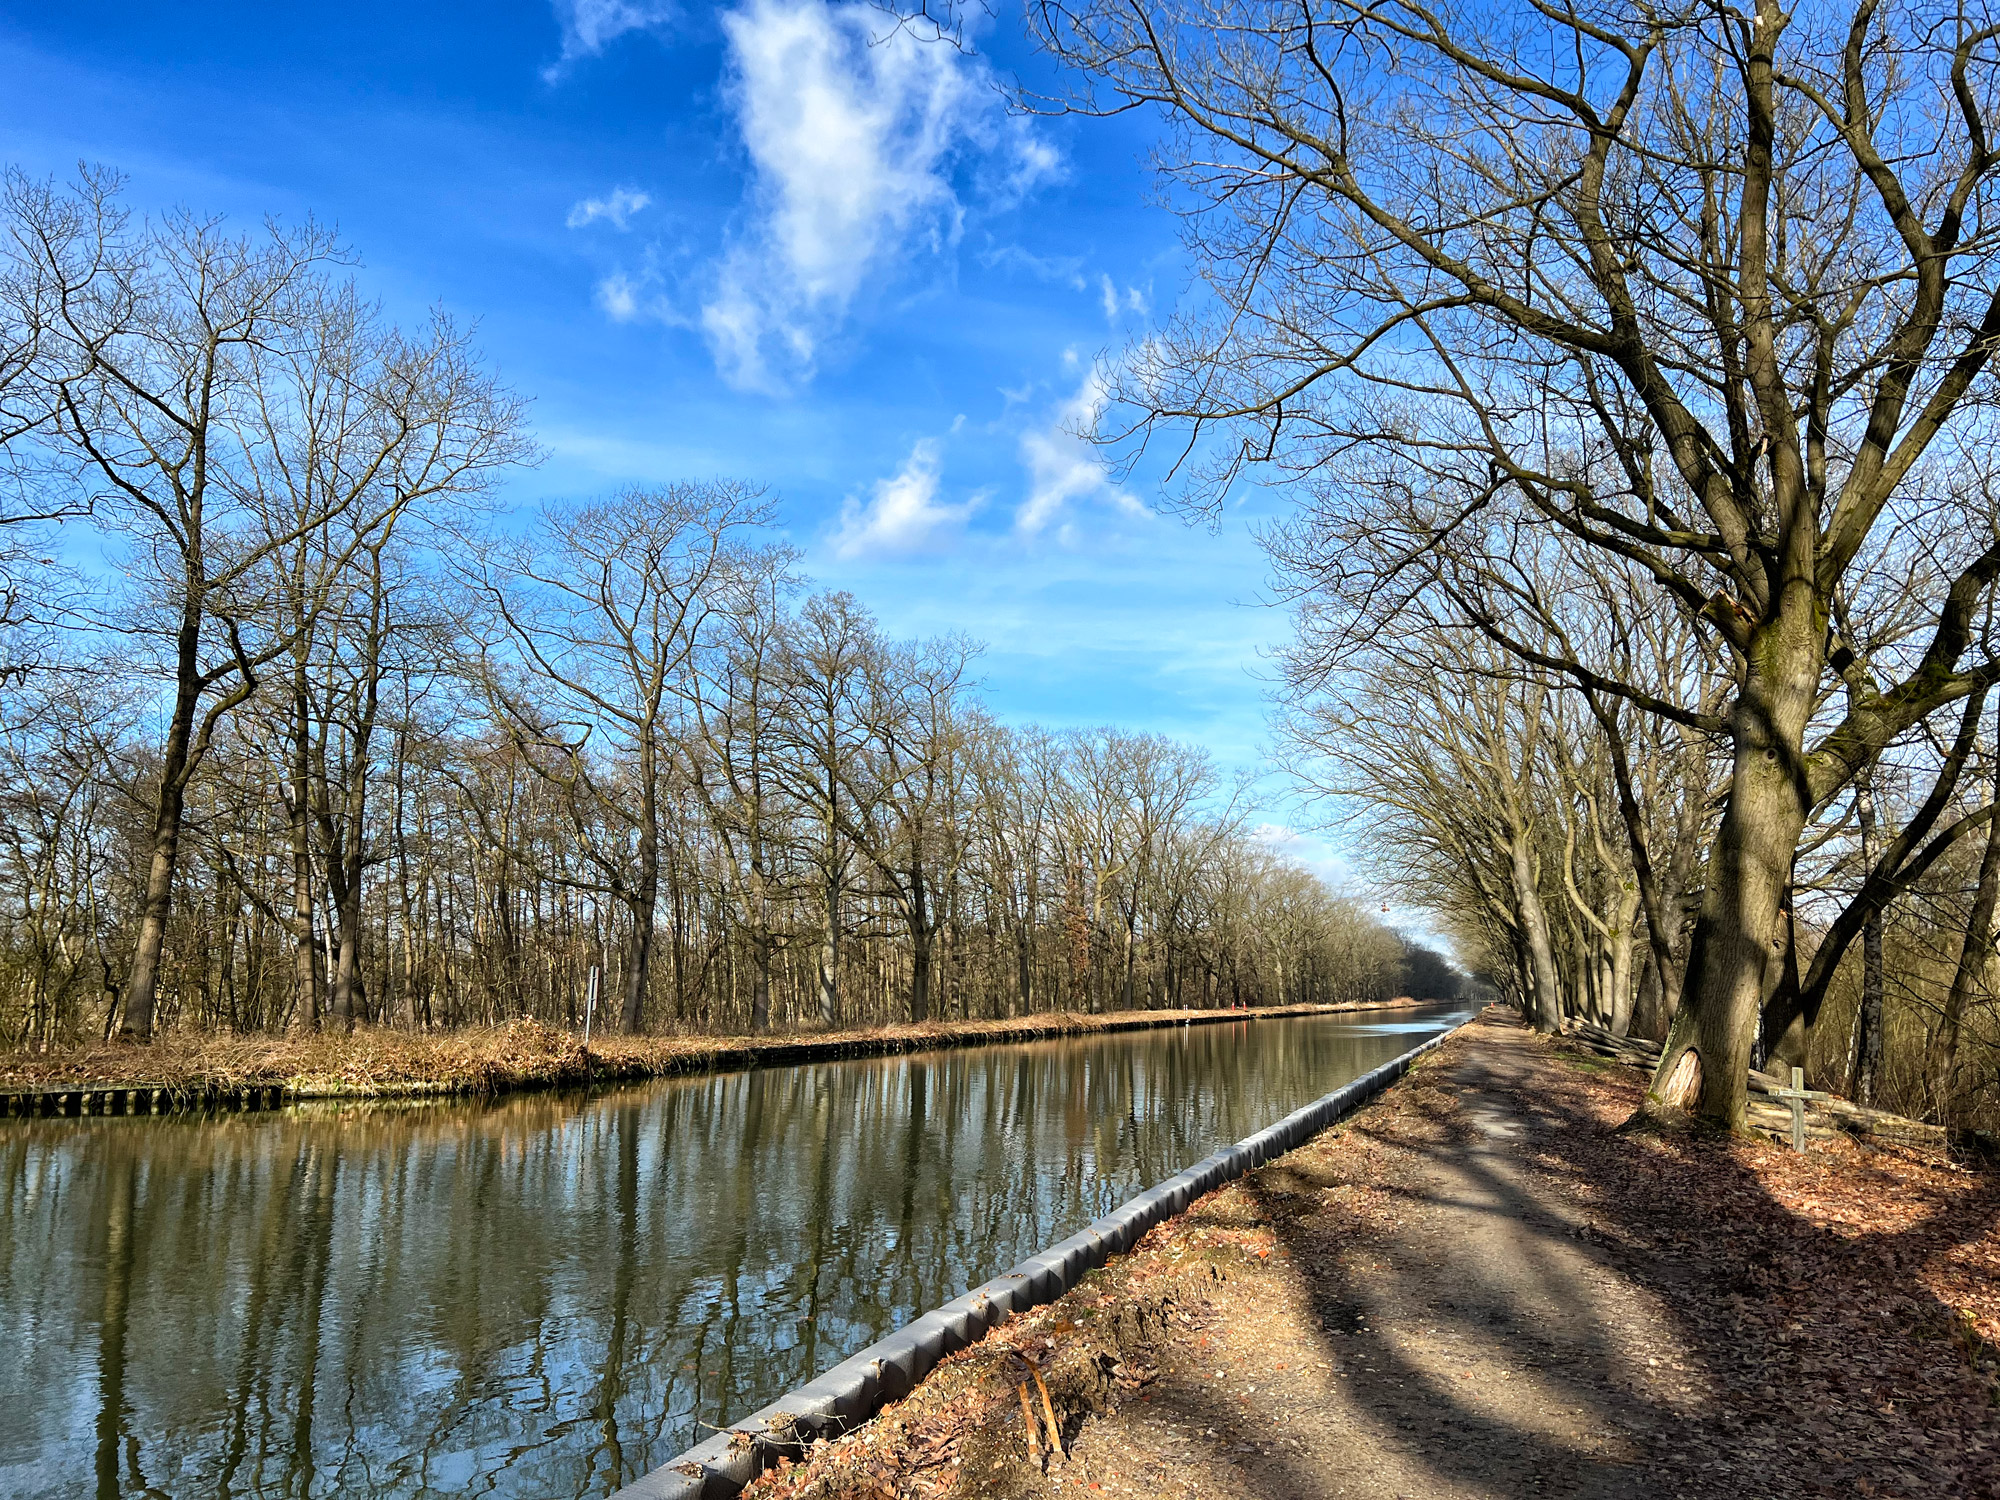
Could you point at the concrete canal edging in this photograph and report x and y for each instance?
(857, 1387)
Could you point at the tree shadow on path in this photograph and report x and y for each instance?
(1549, 1308)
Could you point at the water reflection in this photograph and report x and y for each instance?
(551, 1295)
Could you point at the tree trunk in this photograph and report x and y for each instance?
(829, 948)
(638, 961)
(1623, 943)
(1974, 957)
(760, 979)
(143, 980)
(305, 958)
(1545, 997)
(1749, 875)
(920, 976)
(829, 956)
(1649, 1012)
(920, 950)
(349, 993)
(1866, 1072)
(639, 951)
(1131, 944)
(645, 900)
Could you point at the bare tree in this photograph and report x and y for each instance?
(179, 354)
(361, 442)
(604, 613)
(1697, 290)
(412, 778)
(734, 695)
(828, 654)
(904, 785)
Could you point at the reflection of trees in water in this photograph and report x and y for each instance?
(549, 1295)
(117, 1261)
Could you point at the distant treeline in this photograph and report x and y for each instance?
(298, 732)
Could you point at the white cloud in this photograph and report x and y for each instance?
(616, 208)
(1033, 159)
(1064, 466)
(618, 297)
(1067, 269)
(904, 515)
(1133, 300)
(1310, 851)
(853, 129)
(588, 26)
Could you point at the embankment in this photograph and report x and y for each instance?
(1479, 1287)
(178, 1072)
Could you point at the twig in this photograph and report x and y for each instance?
(1028, 1416)
(1055, 1427)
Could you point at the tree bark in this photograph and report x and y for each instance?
(143, 980)
(1749, 873)
(920, 948)
(305, 955)
(349, 992)
(1975, 956)
(1545, 997)
(829, 955)
(1623, 943)
(760, 979)
(1131, 944)
(1867, 1069)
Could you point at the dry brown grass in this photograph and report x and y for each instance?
(381, 1061)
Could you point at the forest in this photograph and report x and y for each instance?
(302, 728)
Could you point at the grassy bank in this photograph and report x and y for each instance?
(378, 1062)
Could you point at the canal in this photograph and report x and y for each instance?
(549, 1295)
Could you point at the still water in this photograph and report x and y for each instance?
(549, 1295)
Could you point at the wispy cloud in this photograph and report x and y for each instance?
(618, 297)
(1067, 269)
(588, 26)
(614, 208)
(903, 514)
(1309, 850)
(1132, 300)
(1064, 467)
(1030, 159)
(853, 129)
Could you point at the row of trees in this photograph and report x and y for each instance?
(1562, 838)
(298, 731)
(1632, 368)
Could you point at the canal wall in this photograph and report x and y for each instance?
(853, 1390)
(725, 1055)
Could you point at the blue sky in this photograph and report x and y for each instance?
(770, 240)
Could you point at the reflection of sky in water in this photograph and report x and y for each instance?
(546, 1295)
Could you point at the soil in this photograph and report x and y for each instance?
(1480, 1287)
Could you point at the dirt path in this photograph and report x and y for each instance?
(1466, 1342)
(1476, 1289)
